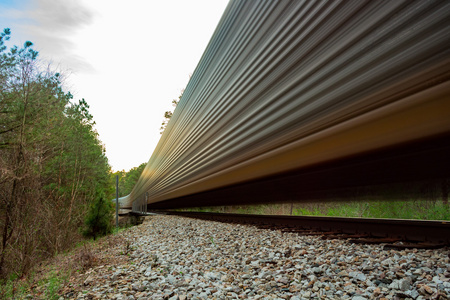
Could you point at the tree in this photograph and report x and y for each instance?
(98, 221)
(21, 86)
(52, 164)
(168, 114)
(127, 180)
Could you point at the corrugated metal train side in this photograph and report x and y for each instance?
(303, 96)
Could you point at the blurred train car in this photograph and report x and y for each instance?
(292, 99)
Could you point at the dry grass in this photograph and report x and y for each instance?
(62, 273)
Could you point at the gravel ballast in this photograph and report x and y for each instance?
(172, 257)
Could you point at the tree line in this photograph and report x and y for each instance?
(127, 180)
(53, 168)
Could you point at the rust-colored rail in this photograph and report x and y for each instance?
(436, 233)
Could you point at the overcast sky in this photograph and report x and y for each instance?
(128, 59)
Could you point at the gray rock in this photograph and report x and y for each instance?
(306, 294)
(173, 257)
(137, 287)
(212, 276)
(358, 275)
(412, 294)
(402, 284)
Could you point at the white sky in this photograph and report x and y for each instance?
(128, 59)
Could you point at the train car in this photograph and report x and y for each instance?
(295, 98)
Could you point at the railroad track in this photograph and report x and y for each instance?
(393, 233)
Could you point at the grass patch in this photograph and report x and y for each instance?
(419, 210)
(52, 284)
(47, 280)
(46, 288)
(50, 279)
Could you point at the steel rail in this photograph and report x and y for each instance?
(437, 232)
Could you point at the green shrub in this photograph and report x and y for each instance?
(98, 221)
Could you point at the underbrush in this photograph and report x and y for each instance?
(387, 209)
(47, 279)
(418, 209)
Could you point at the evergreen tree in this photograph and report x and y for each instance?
(98, 221)
(52, 164)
